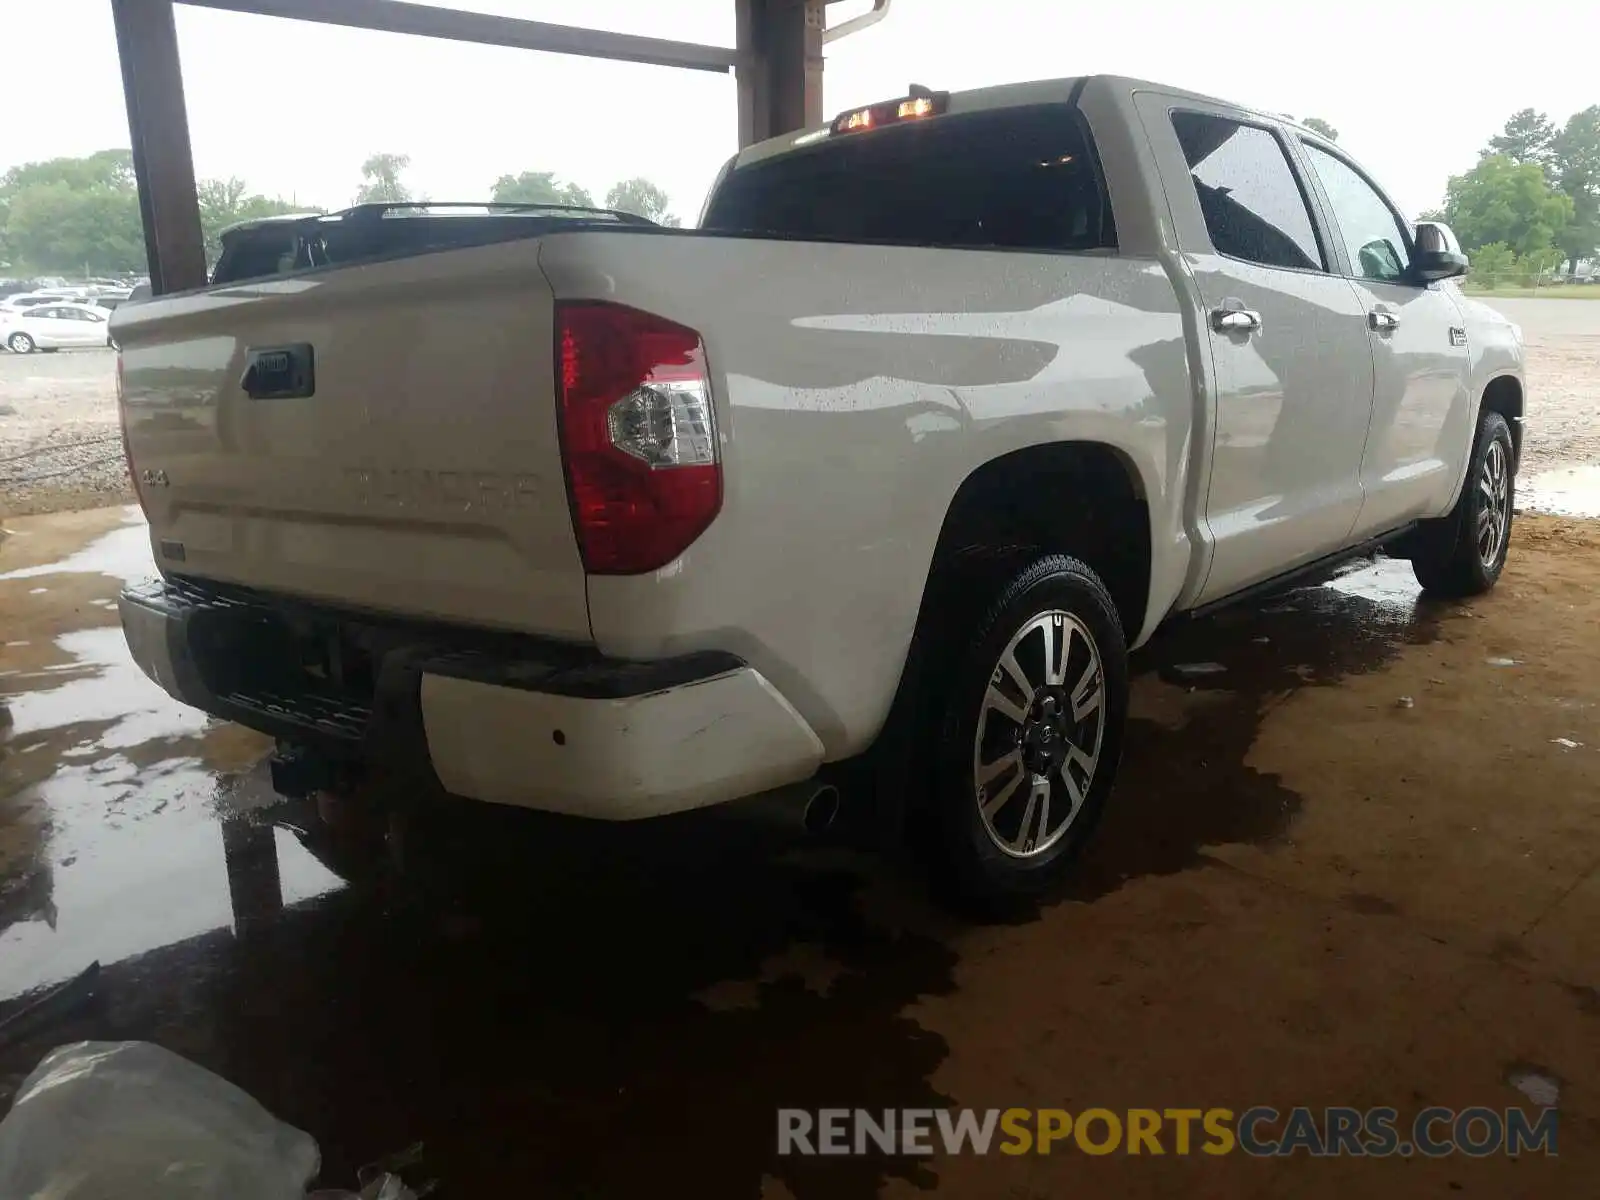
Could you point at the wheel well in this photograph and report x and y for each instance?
(1504, 396)
(1077, 498)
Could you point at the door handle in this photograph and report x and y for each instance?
(280, 373)
(1382, 322)
(1235, 320)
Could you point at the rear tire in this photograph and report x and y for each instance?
(1029, 739)
(20, 343)
(1462, 554)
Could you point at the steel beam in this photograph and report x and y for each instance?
(426, 20)
(158, 124)
(880, 10)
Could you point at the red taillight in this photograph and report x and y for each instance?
(638, 436)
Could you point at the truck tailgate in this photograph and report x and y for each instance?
(382, 437)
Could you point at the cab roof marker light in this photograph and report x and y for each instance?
(919, 104)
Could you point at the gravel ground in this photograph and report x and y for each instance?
(60, 448)
(60, 445)
(1563, 338)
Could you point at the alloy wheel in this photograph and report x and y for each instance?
(1039, 734)
(1494, 507)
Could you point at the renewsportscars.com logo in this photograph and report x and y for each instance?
(1261, 1132)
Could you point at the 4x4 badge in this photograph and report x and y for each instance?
(1458, 336)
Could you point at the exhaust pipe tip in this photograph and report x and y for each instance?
(822, 809)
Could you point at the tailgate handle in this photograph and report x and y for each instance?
(280, 372)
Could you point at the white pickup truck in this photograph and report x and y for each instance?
(941, 409)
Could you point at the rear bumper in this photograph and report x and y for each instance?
(498, 718)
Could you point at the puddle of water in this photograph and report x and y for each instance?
(102, 684)
(136, 860)
(1565, 492)
(1388, 582)
(140, 845)
(124, 553)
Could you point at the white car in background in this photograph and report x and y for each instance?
(27, 300)
(54, 327)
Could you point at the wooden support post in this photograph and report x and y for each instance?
(780, 66)
(158, 123)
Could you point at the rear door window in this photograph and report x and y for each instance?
(1253, 206)
(1015, 178)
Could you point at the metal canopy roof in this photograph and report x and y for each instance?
(777, 62)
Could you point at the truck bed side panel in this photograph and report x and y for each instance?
(857, 386)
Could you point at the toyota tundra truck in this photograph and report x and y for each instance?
(940, 410)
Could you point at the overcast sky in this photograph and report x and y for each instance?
(1415, 87)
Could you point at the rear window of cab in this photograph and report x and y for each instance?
(1021, 178)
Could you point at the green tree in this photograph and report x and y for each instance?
(1318, 125)
(381, 180)
(67, 215)
(1537, 264)
(57, 227)
(107, 168)
(539, 187)
(1575, 162)
(225, 202)
(642, 198)
(1527, 138)
(1504, 201)
(1492, 264)
(98, 212)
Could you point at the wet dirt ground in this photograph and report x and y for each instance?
(1357, 865)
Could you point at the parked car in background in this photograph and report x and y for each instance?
(26, 300)
(54, 327)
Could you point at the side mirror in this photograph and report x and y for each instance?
(1437, 254)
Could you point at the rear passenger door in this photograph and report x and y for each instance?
(1288, 341)
(1422, 412)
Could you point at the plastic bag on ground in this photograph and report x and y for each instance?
(131, 1121)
